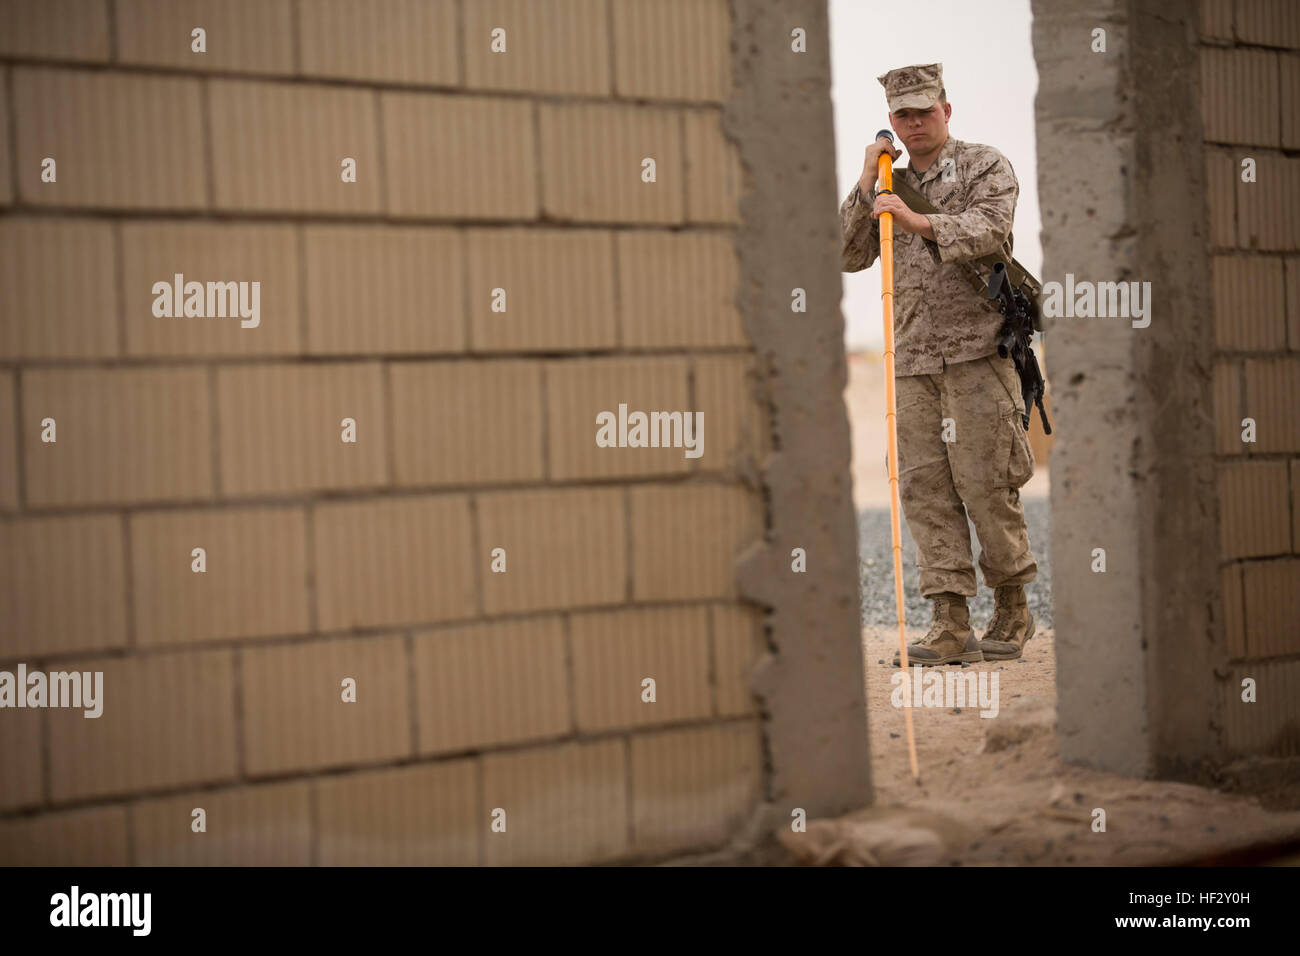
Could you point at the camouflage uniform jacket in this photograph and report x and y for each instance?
(938, 318)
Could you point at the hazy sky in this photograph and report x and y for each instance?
(988, 70)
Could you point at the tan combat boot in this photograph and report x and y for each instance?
(950, 639)
(1012, 625)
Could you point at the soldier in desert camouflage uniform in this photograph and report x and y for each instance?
(947, 368)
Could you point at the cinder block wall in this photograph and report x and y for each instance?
(1250, 72)
(372, 560)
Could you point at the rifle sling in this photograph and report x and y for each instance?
(1020, 277)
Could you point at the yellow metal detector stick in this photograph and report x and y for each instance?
(885, 171)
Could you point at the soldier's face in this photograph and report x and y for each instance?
(922, 131)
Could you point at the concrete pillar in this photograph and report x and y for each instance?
(811, 683)
(1122, 189)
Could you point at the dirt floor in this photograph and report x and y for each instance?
(1000, 794)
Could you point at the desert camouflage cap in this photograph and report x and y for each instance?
(913, 87)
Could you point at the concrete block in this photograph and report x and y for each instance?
(1292, 271)
(1268, 210)
(123, 436)
(22, 744)
(393, 561)
(1216, 19)
(1289, 64)
(62, 586)
(484, 685)
(686, 539)
(168, 721)
(577, 392)
(267, 825)
(592, 163)
(54, 29)
(1249, 313)
(736, 426)
(205, 253)
(242, 36)
(1272, 601)
(1268, 23)
(255, 582)
(678, 289)
(57, 289)
(9, 467)
(694, 788)
(1239, 96)
(713, 171)
(672, 49)
(293, 140)
(93, 837)
(6, 174)
(281, 428)
(1234, 610)
(1227, 408)
(421, 815)
(452, 156)
(1272, 397)
(564, 548)
(1266, 725)
(614, 652)
(552, 46)
(737, 645)
(468, 423)
(294, 715)
(388, 41)
(558, 285)
(1222, 174)
(563, 805)
(1255, 516)
(120, 141)
(384, 290)
(1295, 506)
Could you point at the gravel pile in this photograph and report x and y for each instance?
(876, 569)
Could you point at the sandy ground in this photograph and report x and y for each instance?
(1008, 798)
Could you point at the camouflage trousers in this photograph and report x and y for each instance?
(961, 443)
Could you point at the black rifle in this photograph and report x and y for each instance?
(1020, 321)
